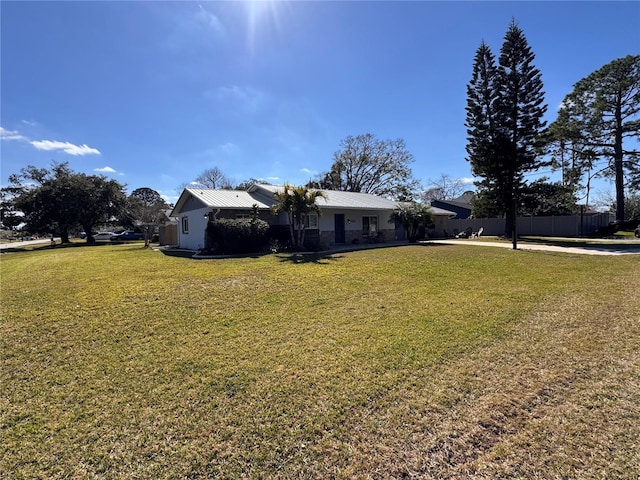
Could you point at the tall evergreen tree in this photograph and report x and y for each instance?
(504, 120)
(602, 114)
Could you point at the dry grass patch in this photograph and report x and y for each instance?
(430, 362)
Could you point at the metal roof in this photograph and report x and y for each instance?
(231, 198)
(344, 200)
(262, 195)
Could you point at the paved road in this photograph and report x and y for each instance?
(8, 245)
(595, 249)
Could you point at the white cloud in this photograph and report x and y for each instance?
(228, 147)
(30, 123)
(48, 145)
(11, 135)
(466, 180)
(106, 169)
(191, 30)
(66, 147)
(209, 20)
(247, 98)
(308, 171)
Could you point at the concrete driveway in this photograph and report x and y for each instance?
(625, 247)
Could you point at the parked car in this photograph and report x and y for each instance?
(127, 236)
(102, 236)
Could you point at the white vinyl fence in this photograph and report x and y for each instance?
(560, 226)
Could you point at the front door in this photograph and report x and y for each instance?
(401, 232)
(339, 227)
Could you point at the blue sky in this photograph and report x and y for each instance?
(153, 93)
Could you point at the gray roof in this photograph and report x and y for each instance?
(231, 198)
(262, 195)
(344, 200)
(442, 211)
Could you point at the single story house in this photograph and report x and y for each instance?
(461, 206)
(345, 217)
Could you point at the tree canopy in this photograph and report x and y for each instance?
(145, 206)
(444, 188)
(597, 120)
(214, 178)
(61, 199)
(368, 165)
(505, 106)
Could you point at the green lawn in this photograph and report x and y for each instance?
(439, 361)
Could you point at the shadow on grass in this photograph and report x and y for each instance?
(176, 252)
(319, 258)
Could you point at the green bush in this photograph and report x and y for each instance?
(231, 236)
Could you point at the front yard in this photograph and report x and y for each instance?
(417, 361)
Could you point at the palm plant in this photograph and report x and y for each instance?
(297, 203)
(414, 217)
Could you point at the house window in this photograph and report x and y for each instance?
(369, 225)
(311, 221)
(185, 224)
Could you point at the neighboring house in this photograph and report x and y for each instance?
(461, 206)
(346, 217)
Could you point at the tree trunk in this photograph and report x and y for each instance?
(292, 231)
(617, 152)
(88, 229)
(64, 235)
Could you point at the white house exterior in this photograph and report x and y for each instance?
(346, 217)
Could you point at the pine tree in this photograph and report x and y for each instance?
(602, 114)
(504, 120)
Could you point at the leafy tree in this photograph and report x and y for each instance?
(414, 217)
(485, 204)
(542, 198)
(369, 165)
(61, 199)
(145, 206)
(9, 217)
(504, 121)
(297, 203)
(601, 112)
(575, 160)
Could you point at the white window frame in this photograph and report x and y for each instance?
(184, 221)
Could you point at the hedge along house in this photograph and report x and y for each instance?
(345, 218)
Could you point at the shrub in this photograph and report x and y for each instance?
(231, 236)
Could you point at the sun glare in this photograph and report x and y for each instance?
(263, 21)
